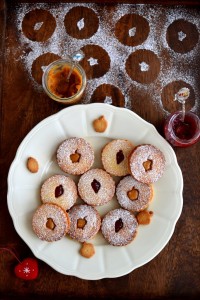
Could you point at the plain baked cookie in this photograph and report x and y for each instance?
(119, 227)
(147, 163)
(133, 195)
(85, 222)
(115, 156)
(50, 222)
(96, 187)
(75, 156)
(59, 189)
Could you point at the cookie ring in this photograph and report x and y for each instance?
(96, 187)
(41, 18)
(50, 222)
(132, 30)
(115, 156)
(133, 195)
(155, 158)
(81, 22)
(89, 220)
(60, 190)
(96, 62)
(119, 227)
(143, 66)
(182, 36)
(75, 147)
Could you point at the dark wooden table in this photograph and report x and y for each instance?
(175, 272)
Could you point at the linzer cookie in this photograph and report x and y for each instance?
(75, 156)
(50, 222)
(85, 222)
(147, 163)
(115, 156)
(119, 227)
(59, 189)
(133, 195)
(96, 187)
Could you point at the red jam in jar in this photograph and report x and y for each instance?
(182, 133)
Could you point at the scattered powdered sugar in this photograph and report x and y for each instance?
(132, 31)
(37, 26)
(93, 61)
(144, 67)
(181, 36)
(174, 66)
(108, 100)
(81, 24)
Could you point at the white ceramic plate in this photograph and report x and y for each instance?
(24, 191)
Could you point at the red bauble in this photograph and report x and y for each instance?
(27, 269)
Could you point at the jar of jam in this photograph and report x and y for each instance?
(182, 132)
(58, 87)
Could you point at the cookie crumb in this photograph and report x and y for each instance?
(87, 250)
(100, 124)
(32, 165)
(144, 217)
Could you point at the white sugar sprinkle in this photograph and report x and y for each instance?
(93, 61)
(81, 24)
(174, 66)
(181, 36)
(37, 26)
(132, 31)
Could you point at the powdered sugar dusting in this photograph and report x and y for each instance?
(38, 25)
(81, 24)
(181, 36)
(132, 31)
(174, 66)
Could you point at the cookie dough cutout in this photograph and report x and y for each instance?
(40, 63)
(110, 91)
(143, 66)
(81, 22)
(132, 30)
(32, 165)
(168, 95)
(100, 124)
(96, 62)
(87, 250)
(38, 25)
(182, 36)
(144, 217)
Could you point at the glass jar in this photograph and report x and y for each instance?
(56, 86)
(182, 133)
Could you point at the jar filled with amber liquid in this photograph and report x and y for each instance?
(58, 87)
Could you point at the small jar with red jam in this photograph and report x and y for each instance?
(58, 87)
(182, 131)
